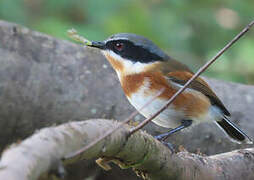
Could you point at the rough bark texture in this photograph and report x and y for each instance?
(42, 152)
(45, 81)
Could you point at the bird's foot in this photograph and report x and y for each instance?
(167, 144)
(170, 146)
(160, 137)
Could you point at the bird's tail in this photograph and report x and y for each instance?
(233, 131)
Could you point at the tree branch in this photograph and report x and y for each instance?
(42, 153)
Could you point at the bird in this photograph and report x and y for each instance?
(143, 69)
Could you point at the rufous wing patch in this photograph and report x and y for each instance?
(199, 85)
(192, 104)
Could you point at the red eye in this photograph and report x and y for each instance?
(119, 46)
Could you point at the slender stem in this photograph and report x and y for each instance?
(202, 69)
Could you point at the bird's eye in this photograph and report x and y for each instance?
(119, 46)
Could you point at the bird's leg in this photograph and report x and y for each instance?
(164, 136)
(184, 124)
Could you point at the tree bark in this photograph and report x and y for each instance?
(42, 153)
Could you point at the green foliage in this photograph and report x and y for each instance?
(192, 31)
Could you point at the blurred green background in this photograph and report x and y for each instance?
(190, 31)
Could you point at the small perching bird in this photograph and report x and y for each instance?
(144, 69)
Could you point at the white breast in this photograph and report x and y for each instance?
(169, 118)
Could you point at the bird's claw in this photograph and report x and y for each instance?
(167, 144)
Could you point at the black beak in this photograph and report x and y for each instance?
(98, 44)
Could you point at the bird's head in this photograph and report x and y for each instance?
(130, 53)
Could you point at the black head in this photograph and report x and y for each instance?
(132, 47)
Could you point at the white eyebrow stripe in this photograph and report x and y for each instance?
(115, 39)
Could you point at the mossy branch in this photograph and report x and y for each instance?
(44, 151)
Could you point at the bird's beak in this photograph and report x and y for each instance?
(98, 44)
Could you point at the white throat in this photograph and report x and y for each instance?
(129, 67)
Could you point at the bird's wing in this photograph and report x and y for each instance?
(181, 77)
(171, 65)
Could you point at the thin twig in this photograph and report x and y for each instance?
(116, 128)
(73, 34)
(202, 69)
